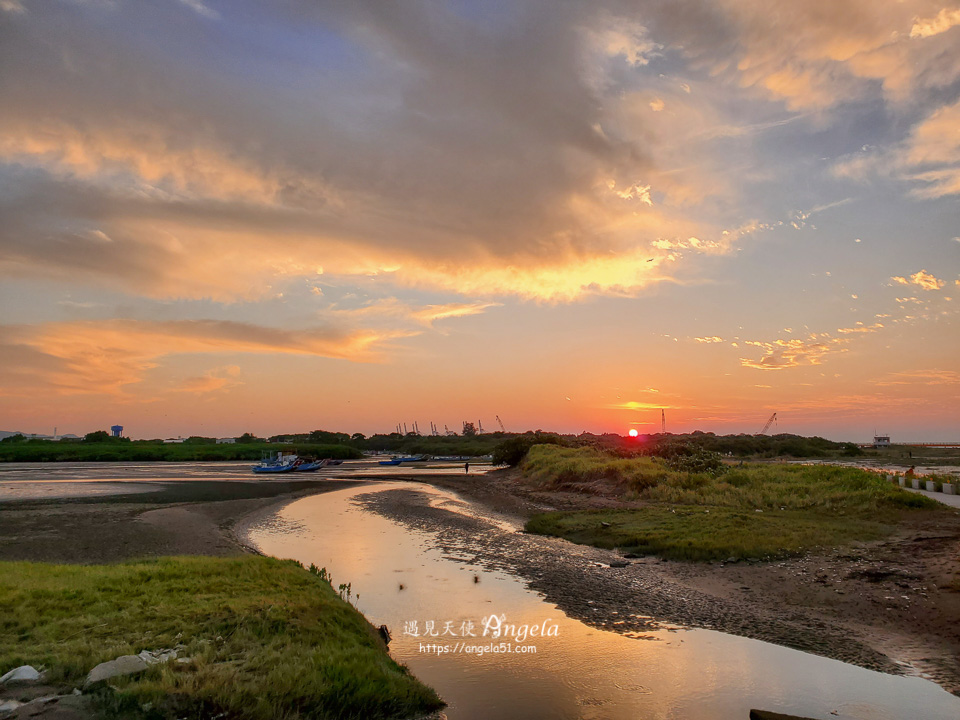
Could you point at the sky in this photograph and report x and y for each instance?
(225, 217)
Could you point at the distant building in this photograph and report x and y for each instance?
(226, 441)
(170, 441)
(880, 441)
(116, 430)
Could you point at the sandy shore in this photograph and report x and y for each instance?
(882, 605)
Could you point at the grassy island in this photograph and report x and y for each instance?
(751, 510)
(256, 638)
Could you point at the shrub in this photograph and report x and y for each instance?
(512, 452)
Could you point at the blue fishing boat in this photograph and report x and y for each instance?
(281, 464)
(398, 460)
(311, 466)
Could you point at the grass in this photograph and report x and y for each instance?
(267, 638)
(141, 451)
(698, 516)
(703, 534)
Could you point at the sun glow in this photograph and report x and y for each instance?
(633, 432)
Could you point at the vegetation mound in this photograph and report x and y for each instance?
(743, 510)
(265, 639)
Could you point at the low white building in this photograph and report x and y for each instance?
(881, 441)
(226, 441)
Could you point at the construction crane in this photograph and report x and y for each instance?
(500, 423)
(771, 421)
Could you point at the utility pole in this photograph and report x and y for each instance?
(663, 421)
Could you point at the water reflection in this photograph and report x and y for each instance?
(399, 576)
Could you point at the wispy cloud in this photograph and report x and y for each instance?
(105, 357)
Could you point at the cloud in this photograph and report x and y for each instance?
(783, 354)
(943, 21)
(193, 175)
(222, 378)
(396, 309)
(637, 405)
(105, 357)
(798, 352)
(928, 158)
(922, 279)
(920, 377)
(201, 9)
(439, 152)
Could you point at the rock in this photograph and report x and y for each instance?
(57, 707)
(8, 706)
(619, 564)
(123, 665)
(152, 657)
(24, 673)
(732, 560)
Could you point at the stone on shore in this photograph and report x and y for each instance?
(53, 707)
(8, 706)
(152, 657)
(123, 665)
(24, 673)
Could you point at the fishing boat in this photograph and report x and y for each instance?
(281, 464)
(398, 460)
(312, 466)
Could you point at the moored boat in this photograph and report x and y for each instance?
(311, 466)
(281, 464)
(398, 460)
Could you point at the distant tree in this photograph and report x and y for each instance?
(97, 436)
(512, 452)
(328, 438)
(18, 438)
(358, 437)
(198, 440)
(247, 438)
(469, 429)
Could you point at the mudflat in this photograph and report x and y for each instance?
(175, 518)
(890, 605)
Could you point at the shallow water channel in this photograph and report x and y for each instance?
(399, 576)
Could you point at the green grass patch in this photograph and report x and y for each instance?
(144, 451)
(703, 534)
(268, 639)
(703, 516)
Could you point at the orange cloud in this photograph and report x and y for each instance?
(103, 357)
(922, 279)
